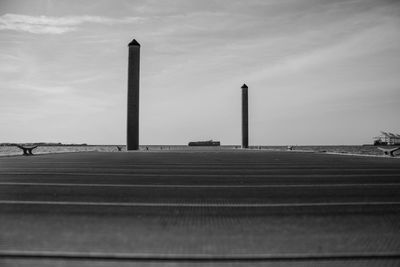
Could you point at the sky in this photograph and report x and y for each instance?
(319, 72)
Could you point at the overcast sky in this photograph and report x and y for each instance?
(319, 72)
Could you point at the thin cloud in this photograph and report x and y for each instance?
(366, 42)
(55, 25)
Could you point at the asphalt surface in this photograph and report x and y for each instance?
(202, 208)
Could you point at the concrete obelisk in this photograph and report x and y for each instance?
(245, 117)
(133, 96)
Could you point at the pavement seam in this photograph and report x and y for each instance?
(216, 205)
(199, 186)
(198, 257)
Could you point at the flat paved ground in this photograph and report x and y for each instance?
(202, 208)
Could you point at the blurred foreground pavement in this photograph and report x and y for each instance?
(199, 208)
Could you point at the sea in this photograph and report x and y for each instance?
(335, 149)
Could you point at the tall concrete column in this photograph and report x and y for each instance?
(245, 117)
(133, 96)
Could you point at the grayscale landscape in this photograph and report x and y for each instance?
(199, 133)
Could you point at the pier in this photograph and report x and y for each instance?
(224, 207)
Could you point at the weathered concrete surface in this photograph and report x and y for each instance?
(240, 208)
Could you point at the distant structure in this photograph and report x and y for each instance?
(387, 138)
(290, 148)
(26, 150)
(245, 117)
(133, 96)
(390, 151)
(205, 143)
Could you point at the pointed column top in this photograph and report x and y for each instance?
(134, 43)
(244, 86)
